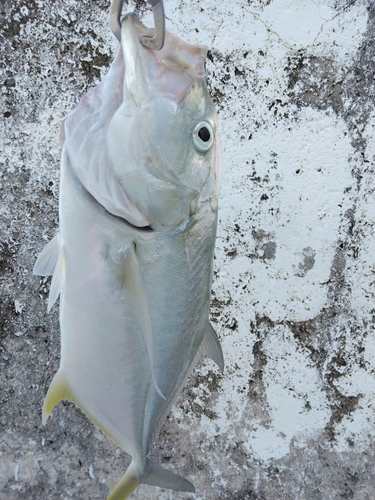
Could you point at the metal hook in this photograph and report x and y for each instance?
(114, 19)
(157, 41)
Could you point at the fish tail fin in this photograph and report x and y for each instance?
(155, 475)
(158, 476)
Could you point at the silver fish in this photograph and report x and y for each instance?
(133, 258)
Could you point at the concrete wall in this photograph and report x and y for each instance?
(293, 294)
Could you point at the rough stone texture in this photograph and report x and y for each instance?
(293, 295)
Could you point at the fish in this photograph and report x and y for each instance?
(133, 259)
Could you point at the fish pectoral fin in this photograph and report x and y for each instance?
(131, 278)
(58, 391)
(58, 278)
(47, 259)
(211, 347)
(154, 475)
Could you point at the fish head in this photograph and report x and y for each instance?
(162, 139)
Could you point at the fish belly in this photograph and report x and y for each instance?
(104, 356)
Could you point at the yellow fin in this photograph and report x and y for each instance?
(58, 391)
(125, 487)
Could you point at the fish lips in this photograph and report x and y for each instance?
(169, 72)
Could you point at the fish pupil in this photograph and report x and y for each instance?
(204, 134)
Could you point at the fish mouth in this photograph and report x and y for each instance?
(101, 208)
(107, 213)
(168, 72)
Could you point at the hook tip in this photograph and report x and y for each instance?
(157, 41)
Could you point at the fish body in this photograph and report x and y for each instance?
(133, 259)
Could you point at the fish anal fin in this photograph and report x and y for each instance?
(48, 257)
(211, 347)
(58, 391)
(154, 475)
(57, 282)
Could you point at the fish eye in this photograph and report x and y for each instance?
(203, 137)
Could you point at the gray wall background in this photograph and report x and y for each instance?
(293, 295)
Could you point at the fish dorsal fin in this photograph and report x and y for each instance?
(47, 259)
(131, 277)
(58, 278)
(51, 261)
(211, 347)
(58, 391)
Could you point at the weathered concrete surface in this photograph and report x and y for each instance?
(293, 297)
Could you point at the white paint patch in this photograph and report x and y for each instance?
(288, 194)
(317, 27)
(342, 35)
(297, 405)
(292, 378)
(223, 33)
(296, 23)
